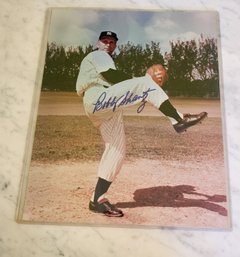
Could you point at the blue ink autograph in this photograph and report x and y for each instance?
(114, 102)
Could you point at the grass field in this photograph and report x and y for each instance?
(61, 138)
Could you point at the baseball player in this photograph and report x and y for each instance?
(106, 92)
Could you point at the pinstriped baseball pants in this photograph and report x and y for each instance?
(110, 120)
(113, 134)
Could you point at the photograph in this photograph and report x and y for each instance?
(127, 125)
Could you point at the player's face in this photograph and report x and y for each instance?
(107, 44)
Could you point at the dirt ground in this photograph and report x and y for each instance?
(185, 188)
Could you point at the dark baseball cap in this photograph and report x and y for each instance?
(108, 34)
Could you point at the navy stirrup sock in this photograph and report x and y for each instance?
(101, 188)
(167, 109)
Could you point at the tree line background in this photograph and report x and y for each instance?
(192, 65)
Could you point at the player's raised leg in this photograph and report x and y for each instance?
(137, 92)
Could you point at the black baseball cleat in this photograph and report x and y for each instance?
(188, 121)
(106, 208)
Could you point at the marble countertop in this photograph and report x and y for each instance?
(21, 26)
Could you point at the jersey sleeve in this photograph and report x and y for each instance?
(90, 70)
(103, 61)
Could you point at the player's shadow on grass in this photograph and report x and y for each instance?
(175, 196)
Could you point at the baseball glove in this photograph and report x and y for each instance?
(158, 74)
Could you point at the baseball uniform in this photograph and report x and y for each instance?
(104, 103)
(107, 92)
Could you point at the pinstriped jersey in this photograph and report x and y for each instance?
(91, 67)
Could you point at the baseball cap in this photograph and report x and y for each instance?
(108, 34)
